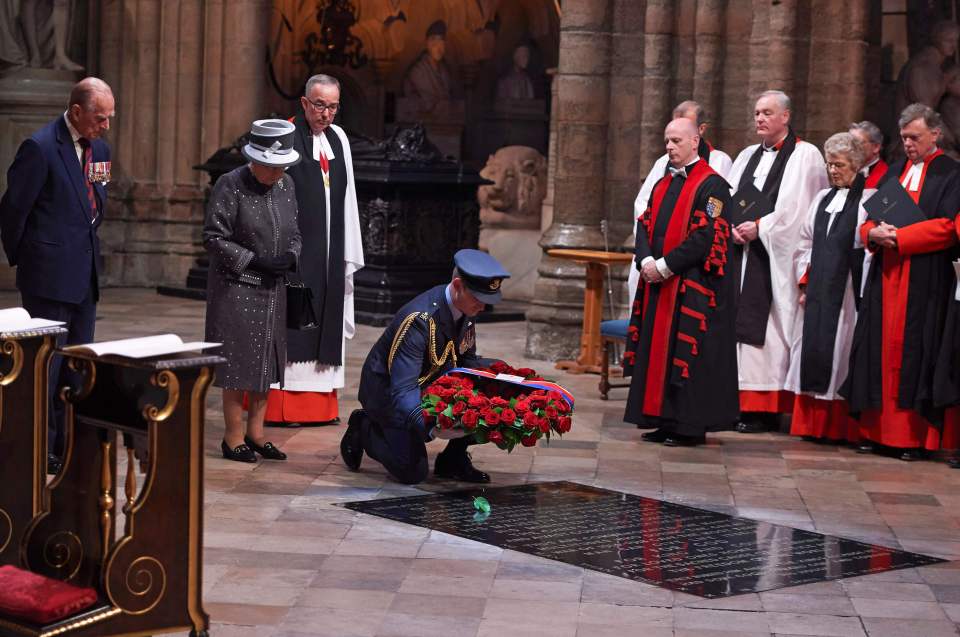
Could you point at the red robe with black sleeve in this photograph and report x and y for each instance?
(900, 324)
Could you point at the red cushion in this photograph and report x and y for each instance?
(40, 599)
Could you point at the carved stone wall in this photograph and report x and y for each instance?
(188, 77)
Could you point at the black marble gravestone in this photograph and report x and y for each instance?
(670, 545)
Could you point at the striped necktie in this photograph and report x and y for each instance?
(87, 160)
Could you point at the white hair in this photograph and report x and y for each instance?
(320, 78)
(782, 99)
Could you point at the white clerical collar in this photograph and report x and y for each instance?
(73, 131)
(776, 147)
(839, 199)
(865, 171)
(320, 141)
(911, 181)
(457, 314)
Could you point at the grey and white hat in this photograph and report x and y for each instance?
(271, 143)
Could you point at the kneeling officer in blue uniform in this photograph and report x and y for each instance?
(430, 335)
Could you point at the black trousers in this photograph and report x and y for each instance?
(79, 319)
(403, 452)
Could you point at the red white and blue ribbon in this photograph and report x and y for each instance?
(545, 385)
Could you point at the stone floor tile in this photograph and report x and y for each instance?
(887, 627)
(807, 604)
(726, 620)
(406, 625)
(821, 625)
(897, 610)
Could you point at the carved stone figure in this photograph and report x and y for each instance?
(34, 33)
(517, 85)
(519, 176)
(922, 80)
(429, 79)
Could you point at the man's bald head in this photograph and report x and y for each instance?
(87, 89)
(682, 139)
(91, 107)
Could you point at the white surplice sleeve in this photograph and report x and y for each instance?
(805, 242)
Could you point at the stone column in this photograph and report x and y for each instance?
(583, 90)
(189, 78)
(838, 71)
(625, 165)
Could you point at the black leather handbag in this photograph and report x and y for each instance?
(300, 314)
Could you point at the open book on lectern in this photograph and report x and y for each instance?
(142, 347)
(17, 319)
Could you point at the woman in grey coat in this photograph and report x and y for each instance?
(253, 240)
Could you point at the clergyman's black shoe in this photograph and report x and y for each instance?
(458, 467)
(676, 440)
(657, 435)
(909, 455)
(268, 450)
(351, 445)
(751, 427)
(54, 464)
(865, 447)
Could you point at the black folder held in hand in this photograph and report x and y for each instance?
(749, 204)
(892, 204)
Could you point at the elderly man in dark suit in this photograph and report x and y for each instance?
(430, 335)
(56, 192)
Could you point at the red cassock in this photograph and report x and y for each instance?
(877, 172)
(899, 327)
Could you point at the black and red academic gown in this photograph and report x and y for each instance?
(875, 173)
(946, 376)
(681, 348)
(901, 317)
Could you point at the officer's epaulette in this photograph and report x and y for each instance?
(436, 362)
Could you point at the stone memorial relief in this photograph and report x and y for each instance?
(510, 214)
(670, 545)
(516, 84)
(35, 34)
(430, 93)
(923, 80)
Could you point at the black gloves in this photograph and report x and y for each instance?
(274, 265)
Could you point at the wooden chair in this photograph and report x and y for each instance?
(611, 333)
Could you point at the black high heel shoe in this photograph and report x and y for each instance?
(268, 451)
(240, 453)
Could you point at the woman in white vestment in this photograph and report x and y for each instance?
(830, 265)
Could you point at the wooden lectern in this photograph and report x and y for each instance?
(149, 579)
(24, 359)
(591, 348)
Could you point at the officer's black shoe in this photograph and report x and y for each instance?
(676, 440)
(458, 467)
(657, 435)
(54, 464)
(351, 445)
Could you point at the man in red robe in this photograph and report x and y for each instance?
(681, 350)
(871, 138)
(899, 326)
